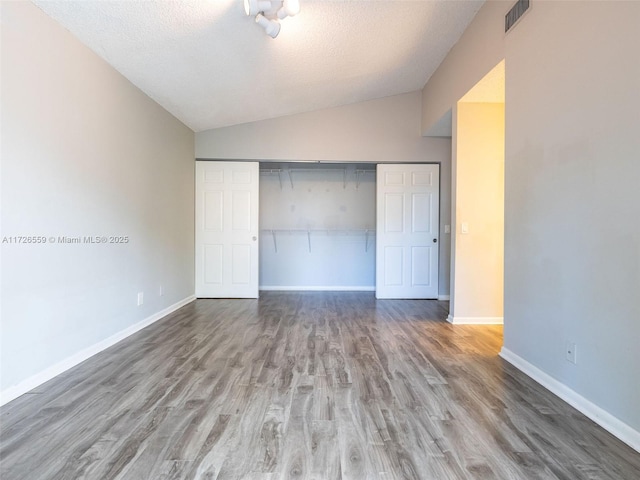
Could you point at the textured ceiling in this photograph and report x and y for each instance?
(211, 66)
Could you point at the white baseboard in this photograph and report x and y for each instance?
(47, 374)
(329, 288)
(475, 320)
(444, 297)
(600, 416)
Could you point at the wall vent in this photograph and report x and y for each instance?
(513, 15)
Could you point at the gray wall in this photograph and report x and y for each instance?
(383, 130)
(84, 153)
(572, 255)
(572, 247)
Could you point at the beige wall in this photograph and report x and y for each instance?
(479, 49)
(477, 269)
(572, 266)
(84, 153)
(383, 130)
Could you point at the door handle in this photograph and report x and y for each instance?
(254, 238)
(435, 240)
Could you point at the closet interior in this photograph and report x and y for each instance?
(317, 226)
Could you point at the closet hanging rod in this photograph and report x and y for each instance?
(346, 231)
(362, 172)
(318, 170)
(271, 171)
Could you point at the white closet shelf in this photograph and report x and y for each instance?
(328, 231)
(359, 173)
(318, 170)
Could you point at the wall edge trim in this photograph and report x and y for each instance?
(314, 288)
(15, 391)
(610, 423)
(475, 320)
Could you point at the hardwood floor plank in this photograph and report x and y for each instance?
(325, 458)
(313, 385)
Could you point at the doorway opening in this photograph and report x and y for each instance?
(477, 213)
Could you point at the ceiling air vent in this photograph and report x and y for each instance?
(513, 15)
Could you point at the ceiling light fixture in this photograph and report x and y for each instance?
(271, 27)
(268, 13)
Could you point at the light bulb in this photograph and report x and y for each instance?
(253, 7)
(289, 9)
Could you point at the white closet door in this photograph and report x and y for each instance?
(227, 229)
(407, 227)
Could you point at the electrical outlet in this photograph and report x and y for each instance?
(464, 228)
(140, 298)
(447, 229)
(570, 352)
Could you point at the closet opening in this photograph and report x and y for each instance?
(317, 226)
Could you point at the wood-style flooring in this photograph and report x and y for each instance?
(327, 385)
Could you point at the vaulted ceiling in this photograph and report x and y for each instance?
(210, 65)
